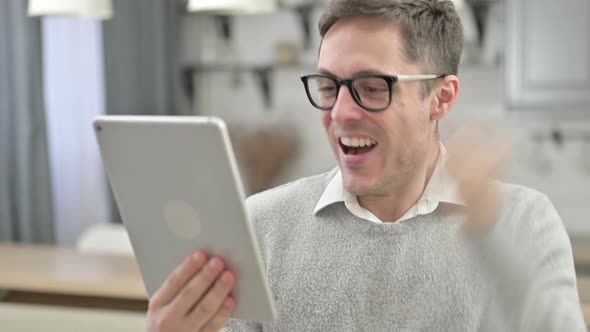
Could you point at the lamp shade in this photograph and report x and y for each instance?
(232, 6)
(87, 8)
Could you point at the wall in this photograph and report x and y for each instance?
(562, 173)
(218, 94)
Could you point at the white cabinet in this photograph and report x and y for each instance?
(548, 55)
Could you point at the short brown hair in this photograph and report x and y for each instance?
(431, 29)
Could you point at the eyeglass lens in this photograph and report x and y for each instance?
(371, 92)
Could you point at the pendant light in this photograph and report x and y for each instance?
(102, 9)
(232, 7)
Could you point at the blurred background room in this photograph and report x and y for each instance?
(65, 260)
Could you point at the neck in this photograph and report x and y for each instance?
(393, 206)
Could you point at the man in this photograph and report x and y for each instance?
(399, 236)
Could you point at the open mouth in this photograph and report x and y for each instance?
(356, 146)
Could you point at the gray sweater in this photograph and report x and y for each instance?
(335, 272)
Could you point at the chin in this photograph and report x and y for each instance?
(357, 185)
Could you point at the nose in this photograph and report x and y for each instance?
(346, 109)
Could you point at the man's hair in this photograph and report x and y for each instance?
(430, 29)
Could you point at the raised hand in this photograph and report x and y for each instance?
(477, 154)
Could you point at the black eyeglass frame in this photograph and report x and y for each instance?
(390, 79)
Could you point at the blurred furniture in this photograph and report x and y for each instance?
(467, 17)
(488, 23)
(35, 318)
(493, 43)
(105, 239)
(263, 153)
(548, 57)
(110, 285)
(581, 249)
(584, 292)
(480, 10)
(60, 276)
(584, 289)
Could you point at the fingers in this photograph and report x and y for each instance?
(178, 279)
(222, 315)
(483, 145)
(194, 296)
(211, 303)
(197, 287)
(476, 156)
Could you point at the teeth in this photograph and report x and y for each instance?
(354, 142)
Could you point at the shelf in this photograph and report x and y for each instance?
(262, 71)
(240, 67)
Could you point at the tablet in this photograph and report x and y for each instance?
(177, 186)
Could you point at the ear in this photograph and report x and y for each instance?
(444, 97)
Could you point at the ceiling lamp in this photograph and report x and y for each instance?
(102, 9)
(231, 7)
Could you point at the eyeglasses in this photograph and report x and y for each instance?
(371, 92)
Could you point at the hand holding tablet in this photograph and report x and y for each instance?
(176, 183)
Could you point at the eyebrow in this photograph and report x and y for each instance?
(359, 73)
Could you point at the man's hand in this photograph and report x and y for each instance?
(476, 156)
(195, 297)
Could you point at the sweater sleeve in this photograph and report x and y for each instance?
(528, 254)
(234, 325)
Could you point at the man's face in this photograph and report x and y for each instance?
(402, 133)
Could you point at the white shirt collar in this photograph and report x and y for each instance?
(440, 188)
